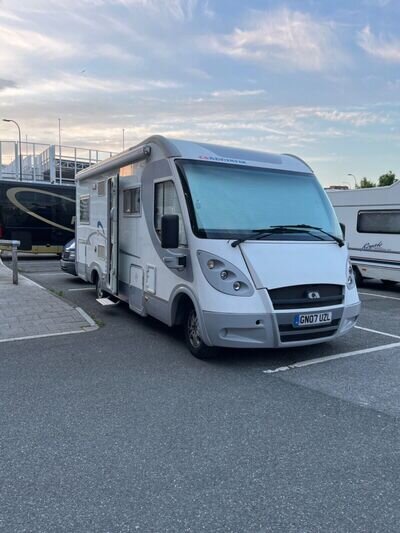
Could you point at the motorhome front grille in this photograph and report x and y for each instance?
(306, 296)
(288, 333)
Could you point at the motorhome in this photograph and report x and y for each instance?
(372, 220)
(242, 248)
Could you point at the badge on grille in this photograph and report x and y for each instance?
(313, 295)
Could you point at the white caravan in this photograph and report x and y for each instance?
(240, 247)
(372, 221)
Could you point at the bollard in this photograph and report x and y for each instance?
(14, 258)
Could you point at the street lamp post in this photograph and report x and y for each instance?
(123, 138)
(19, 141)
(59, 151)
(355, 179)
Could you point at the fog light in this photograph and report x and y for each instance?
(211, 264)
(224, 274)
(237, 285)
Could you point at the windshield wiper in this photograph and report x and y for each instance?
(260, 233)
(291, 228)
(307, 226)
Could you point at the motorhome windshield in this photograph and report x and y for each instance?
(227, 201)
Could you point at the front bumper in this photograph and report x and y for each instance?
(274, 330)
(68, 266)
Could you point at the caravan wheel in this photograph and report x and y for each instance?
(192, 337)
(358, 276)
(99, 289)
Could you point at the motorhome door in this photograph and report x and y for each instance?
(112, 251)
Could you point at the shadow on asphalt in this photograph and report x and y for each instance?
(121, 316)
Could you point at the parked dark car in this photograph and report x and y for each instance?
(67, 262)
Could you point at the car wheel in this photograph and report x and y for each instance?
(193, 339)
(389, 283)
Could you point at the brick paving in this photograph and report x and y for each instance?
(28, 310)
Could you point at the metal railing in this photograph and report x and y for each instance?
(14, 257)
(46, 162)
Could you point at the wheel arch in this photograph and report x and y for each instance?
(181, 299)
(94, 271)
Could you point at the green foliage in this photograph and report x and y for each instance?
(365, 183)
(387, 179)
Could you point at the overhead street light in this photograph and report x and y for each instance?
(355, 179)
(19, 141)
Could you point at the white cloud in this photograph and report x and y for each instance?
(283, 38)
(179, 9)
(32, 42)
(387, 49)
(356, 118)
(67, 84)
(229, 93)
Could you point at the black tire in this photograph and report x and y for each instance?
(358, 277)
(388, 283)
(192, 337)
(99, 290)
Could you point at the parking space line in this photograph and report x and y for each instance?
(378, 295)
(328, 358)
(43, 335)
(83, 289)
(378, 332)
(43, 273)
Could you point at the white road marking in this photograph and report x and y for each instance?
(378, 332)
(83, 289)
(44, 273)
(29, 337)
(327, 358)
(378, 295)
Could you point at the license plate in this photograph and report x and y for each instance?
(312, 319)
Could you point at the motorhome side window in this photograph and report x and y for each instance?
(84, 210)
(132, 201)
(166, 203)
(379, 222)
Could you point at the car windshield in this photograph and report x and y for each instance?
(228, 201)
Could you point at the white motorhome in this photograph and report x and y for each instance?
(240, 247)
(372, 221)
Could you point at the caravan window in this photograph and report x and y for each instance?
(132, 201)
(166, 203)
(379, 222)
(84, 210)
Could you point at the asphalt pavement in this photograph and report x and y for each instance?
(122, 430)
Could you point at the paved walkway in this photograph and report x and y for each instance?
(28, 310)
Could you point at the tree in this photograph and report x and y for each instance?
(365, 183)
(387, 179)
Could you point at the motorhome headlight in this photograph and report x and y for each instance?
(223, 275)
(350, 279)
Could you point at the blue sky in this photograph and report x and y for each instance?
(319, 79)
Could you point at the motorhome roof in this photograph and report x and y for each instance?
(176, 148)
(368, 196)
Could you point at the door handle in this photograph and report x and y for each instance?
(175, 262)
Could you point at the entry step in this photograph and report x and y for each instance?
(107, 301)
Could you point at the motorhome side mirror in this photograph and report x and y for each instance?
(170, 231)
(343, 228)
